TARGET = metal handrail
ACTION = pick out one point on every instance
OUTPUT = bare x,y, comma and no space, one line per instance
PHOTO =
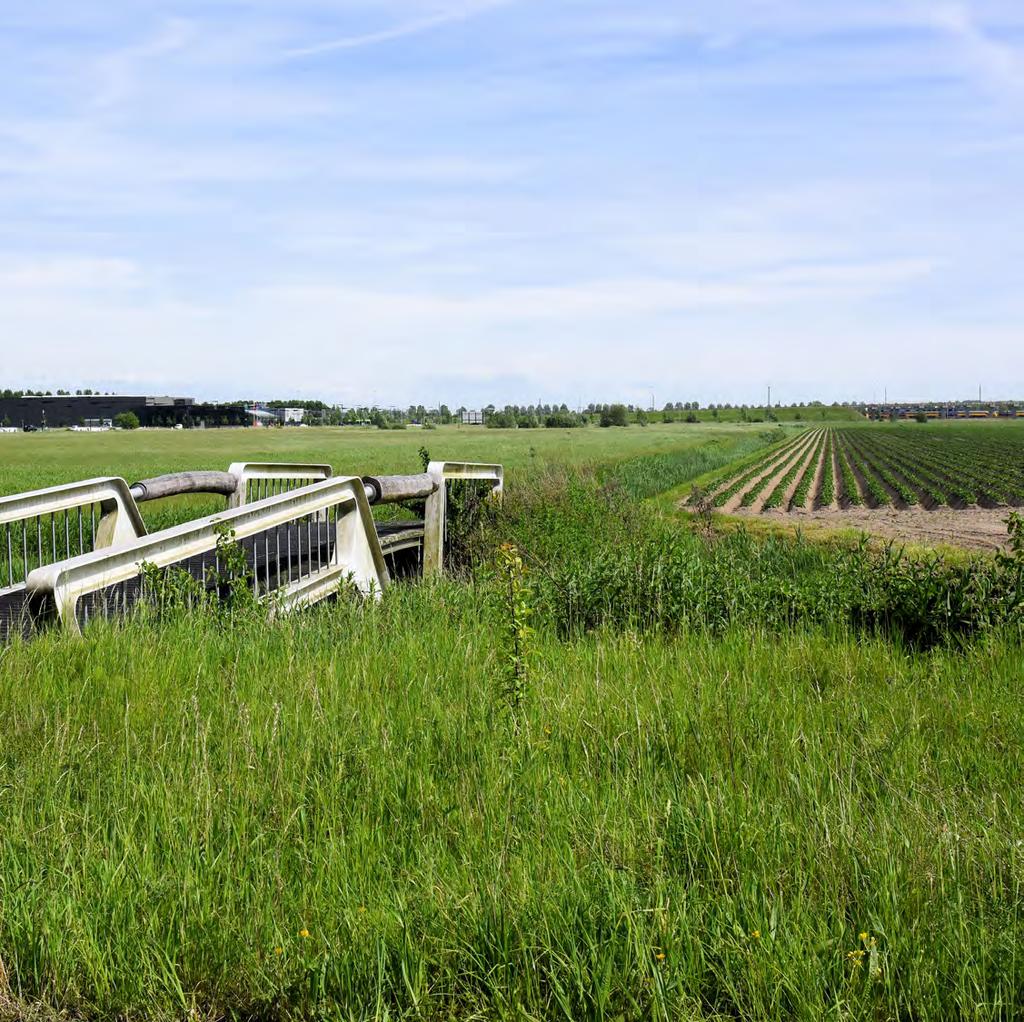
444,472
119,522
270,478
356,552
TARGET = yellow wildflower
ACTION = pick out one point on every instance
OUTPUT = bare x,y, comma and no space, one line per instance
303,932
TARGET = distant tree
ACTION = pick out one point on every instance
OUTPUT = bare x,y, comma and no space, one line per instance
641,418
614,415
563,420
126,420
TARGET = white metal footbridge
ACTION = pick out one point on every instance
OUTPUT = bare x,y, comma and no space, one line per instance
77,551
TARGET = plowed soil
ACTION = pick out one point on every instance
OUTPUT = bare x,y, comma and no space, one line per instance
973,528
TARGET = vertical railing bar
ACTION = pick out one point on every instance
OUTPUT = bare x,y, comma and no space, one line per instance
67,534
81,540
24,546
10,557
53,536
92,525
255,569
319,543
277,541
309,546
288,536
266,563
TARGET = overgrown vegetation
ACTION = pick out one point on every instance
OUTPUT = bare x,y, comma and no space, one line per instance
602,560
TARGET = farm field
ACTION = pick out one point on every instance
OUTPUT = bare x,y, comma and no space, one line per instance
717,776
940,482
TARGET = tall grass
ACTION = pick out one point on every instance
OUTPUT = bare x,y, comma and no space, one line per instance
683,828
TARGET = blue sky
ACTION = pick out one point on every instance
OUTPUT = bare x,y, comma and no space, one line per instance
471,201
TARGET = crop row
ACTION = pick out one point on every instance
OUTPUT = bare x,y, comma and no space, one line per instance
731,485
774,485
878,466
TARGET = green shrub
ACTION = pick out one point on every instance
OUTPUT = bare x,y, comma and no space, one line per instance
614,415
126,420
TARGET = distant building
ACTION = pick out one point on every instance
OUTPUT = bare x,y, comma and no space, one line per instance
472,418
64,410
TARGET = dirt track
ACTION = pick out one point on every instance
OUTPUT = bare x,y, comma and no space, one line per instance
972,527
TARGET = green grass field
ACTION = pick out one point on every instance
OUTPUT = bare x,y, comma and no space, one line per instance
29,460
728,778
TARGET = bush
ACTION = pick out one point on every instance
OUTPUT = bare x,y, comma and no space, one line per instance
501,420
563,420
126,420
614,415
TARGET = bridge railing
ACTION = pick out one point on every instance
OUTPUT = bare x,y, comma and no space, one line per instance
436,512
259,480
299,546
53,524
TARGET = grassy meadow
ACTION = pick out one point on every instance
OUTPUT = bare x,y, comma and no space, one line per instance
654,773
30,460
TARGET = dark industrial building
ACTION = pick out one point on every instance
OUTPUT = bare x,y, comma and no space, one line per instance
83,410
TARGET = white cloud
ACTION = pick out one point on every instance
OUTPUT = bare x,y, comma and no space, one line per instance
55,275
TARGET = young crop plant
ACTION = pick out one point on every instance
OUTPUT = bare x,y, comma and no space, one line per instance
850,490
879,466
827,490
877,493
914,474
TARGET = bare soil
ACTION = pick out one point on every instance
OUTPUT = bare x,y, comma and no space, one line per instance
973,528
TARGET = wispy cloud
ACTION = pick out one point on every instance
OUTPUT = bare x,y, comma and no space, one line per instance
998,62
400,31
118,71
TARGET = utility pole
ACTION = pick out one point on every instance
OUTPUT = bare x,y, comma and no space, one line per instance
769,397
